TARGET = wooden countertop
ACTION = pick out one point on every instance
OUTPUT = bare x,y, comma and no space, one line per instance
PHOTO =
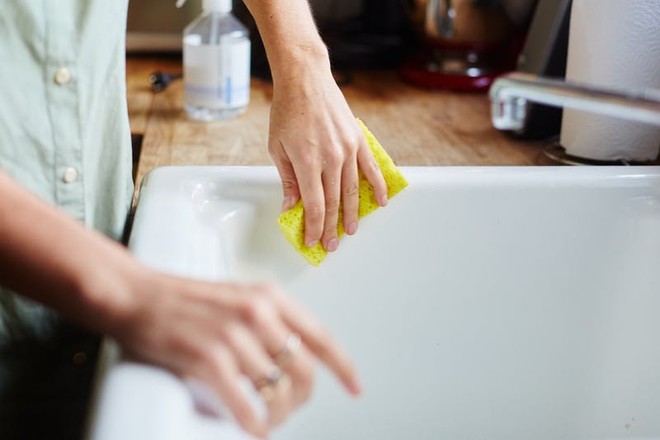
417,127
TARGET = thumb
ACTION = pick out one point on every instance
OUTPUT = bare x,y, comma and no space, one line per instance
290,189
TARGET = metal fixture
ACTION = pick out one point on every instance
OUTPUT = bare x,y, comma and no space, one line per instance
510,95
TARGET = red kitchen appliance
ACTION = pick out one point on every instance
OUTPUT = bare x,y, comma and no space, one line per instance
466,43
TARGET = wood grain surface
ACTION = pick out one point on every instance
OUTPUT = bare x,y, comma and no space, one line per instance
416,126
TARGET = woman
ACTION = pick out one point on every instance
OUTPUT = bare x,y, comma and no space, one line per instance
65,189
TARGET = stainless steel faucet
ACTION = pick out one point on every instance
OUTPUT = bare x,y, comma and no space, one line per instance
510,94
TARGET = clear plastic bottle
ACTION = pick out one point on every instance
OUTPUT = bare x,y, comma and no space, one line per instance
216,63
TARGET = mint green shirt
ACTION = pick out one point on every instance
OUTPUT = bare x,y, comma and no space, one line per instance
64,131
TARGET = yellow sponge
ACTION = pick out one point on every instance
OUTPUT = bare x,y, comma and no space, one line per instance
292,222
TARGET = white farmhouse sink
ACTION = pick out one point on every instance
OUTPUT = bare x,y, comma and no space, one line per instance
482,303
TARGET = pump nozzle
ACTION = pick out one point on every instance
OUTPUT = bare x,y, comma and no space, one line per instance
217,5
211,5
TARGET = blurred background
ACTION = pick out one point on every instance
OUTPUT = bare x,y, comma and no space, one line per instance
456,45
360,33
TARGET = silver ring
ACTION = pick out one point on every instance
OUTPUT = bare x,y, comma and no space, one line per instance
266,386
291,346
272,377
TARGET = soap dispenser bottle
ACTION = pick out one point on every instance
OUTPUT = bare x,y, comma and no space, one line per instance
216,63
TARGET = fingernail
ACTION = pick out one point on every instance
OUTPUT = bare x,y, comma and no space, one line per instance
356,387
332,245
311,243
259,430
205,399
352,228
383,200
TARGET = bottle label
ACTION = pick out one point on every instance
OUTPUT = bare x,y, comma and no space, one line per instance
217,76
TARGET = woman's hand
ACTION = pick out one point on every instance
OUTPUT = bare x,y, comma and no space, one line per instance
218,333
318,148
212,332
314,139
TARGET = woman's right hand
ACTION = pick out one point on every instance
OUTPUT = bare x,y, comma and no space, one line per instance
219,332
216,333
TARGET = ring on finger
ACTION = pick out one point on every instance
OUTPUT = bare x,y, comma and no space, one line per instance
291,346
272,377
267,392
267,385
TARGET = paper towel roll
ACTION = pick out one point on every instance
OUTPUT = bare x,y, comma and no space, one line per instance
613,43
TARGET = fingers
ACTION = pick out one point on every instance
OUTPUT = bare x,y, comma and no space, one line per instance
302,178
312,192
274,329
372,173
262,347
332,191
258,365
326,177
319,342
265,318
350,186
295,361
226,332
290,190
341,186
223,374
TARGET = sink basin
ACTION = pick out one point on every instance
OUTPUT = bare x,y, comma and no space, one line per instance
499,303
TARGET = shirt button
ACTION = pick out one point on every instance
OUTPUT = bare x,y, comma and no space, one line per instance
70,175
62,76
